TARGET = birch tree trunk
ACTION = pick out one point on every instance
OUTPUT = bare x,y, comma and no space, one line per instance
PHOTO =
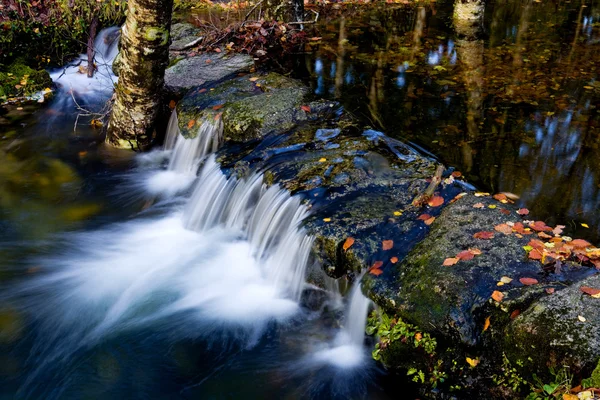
144,55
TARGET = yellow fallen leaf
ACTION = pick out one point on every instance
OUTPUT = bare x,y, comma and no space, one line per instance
418,336
588,87
397,213
472,362
326,219
322,159
585,225
569,396
253,79
581,318
500,283
498,296
481,194
505,279
492,206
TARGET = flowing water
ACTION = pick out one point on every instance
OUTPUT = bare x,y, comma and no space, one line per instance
158,276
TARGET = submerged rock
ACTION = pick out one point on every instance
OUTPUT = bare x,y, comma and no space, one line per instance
203,68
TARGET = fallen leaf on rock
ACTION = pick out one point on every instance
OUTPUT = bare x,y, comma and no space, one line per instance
458,196
528,281
472,362
253,79
481,194
424,217
191,123
465,255
450,261
326,219
429,221
581,318
217,50
515,314
201,90
535,254
394,260
376,271
540,226
595,293
580,243
506,279
492,206
387,244
550,290
218,107
498,296
503,228
544,235
436,201
457,174
486,324
475,251
484,235
397,213
305,108
523,211
500,196
348,243
478,205
504,211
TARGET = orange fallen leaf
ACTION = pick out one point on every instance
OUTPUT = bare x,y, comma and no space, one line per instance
436,201
503,228
218,107
387,244
375,271
429,221
172,104
253,79
544,235
523,211
202,91
465,255
191,124
450,261
486,325
457,174
504,211
208,61
376,265
528,281
515,314
540,226
478,205
535,254
217,50
305,108
348,243
500,196
498,296
394,260
484,235
580,243
475,251
591,291
424,217
418,336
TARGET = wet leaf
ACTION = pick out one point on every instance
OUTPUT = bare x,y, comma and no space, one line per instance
492,206
478,205
424,217
585,225
172,104
505,279
472,362
305,108
387,244
484,235
504,228
202,91
500,196
569,396
253,79
580,243
218,116
475,251
504,211
481,194
326,219
429,221
191,124
523,211
348,243
550,290
375,271
498,296
515,314
457,174
217,50
450,261
394,260
535,254
322,159
218,107
436,201
540,226
558,230
486,324
465,255
581,318
397,213
528,281
595,293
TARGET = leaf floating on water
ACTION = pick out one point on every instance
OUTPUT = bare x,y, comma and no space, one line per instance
387,244
305,108
472,362
523,211
558,230
436,201
377,264
505,280
485,235
394,260
595,293
478,205
528,281
448,262
486,325
498,296
191,124
348,243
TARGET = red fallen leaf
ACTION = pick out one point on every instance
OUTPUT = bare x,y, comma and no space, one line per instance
544,235
503,228
217,50
349,242
218,107
305,108
450,261
191,124
436,201
504,211
536,244
498,296
394,260
484,235
550,290
202,91
457,174
590,291
429,221
528,281
457,197
523,211
500,196
375,271
596,263
515,314
465,255
387,244
580,243
474,251
540,226
535,254
424,217
376,265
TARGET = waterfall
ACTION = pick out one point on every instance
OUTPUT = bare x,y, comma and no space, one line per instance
269,218
356,316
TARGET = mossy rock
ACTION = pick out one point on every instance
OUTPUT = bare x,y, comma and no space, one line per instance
20,80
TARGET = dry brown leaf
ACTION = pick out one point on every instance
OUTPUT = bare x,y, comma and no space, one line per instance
191,124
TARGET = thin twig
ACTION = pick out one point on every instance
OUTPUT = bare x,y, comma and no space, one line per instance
252,9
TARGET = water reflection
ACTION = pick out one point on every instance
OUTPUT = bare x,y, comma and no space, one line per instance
507,93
